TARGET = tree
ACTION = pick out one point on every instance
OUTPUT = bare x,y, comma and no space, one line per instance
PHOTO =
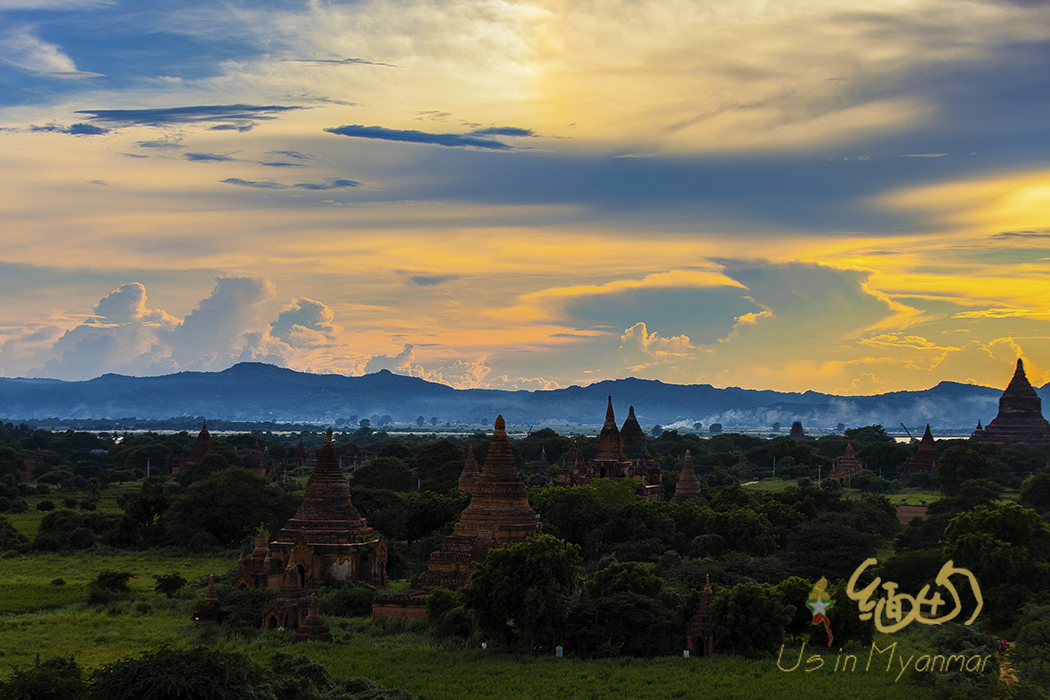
1035,492
630,577
11,462
960,464
173,674
421,421
365,423
384,473
1007,549
829,547
169,584
527,587
226,508
58,678
749,619
867,435
715,428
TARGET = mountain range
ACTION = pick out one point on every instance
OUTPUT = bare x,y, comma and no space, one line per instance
260,392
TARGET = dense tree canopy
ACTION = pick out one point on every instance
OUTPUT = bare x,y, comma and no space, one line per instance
526,588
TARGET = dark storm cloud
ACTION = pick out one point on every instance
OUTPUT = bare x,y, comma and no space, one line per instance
186,115
329,184
206,157
503,131
413,136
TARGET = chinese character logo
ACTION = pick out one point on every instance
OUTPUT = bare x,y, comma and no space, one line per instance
900,609
820,602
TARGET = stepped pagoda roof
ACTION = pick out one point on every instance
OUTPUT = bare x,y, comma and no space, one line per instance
498,514
688,488
925,459
470,474
633,443
1020,417
609,439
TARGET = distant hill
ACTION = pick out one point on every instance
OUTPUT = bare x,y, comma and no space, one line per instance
259,392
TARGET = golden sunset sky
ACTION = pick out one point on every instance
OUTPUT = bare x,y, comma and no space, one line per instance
850,197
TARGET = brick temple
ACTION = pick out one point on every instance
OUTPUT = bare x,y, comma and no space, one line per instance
687,490
327,541
498,514
924,461
847,465
622,454
1020,417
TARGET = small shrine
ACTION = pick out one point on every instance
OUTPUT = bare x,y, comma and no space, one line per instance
470,474
847,465
699,635
924,461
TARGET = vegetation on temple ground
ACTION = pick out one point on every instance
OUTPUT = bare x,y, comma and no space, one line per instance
763,543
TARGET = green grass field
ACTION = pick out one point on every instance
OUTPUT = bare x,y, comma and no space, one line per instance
38,617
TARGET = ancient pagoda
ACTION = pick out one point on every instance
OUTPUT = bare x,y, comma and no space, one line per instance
609,463
498,514
699,634
202,447
924,461
1020,417
847,465
468,478
327,541
622,453
688,488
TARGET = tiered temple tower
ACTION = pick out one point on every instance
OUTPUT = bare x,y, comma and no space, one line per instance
326,542
1020,417
688,488
925,459
468,478
498,514
197,452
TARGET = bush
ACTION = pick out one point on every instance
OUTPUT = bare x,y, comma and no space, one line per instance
108,586
169,584
58,678
45,506
167,673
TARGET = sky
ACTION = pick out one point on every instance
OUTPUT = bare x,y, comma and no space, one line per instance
846,196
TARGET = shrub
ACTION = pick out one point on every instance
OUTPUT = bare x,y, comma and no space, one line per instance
45,506
58,678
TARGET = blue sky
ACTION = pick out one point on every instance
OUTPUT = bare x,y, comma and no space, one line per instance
840,196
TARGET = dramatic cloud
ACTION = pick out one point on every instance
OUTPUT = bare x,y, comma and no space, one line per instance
411,136
214,330
305,323
398,362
